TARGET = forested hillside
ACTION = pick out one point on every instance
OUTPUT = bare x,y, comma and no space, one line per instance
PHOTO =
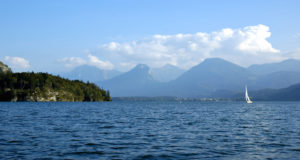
46,87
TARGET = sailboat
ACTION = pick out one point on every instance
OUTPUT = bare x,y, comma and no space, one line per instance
248,100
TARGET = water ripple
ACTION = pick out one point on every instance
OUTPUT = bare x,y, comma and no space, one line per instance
150,130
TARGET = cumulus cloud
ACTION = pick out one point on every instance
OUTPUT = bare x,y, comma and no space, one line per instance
254,39
72,62
243,46
94,61
17,63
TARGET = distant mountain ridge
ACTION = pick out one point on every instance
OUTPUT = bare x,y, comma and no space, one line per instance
90,73
137,81
94,74
166,73
208,77
286,65
276,80
291,93
213,78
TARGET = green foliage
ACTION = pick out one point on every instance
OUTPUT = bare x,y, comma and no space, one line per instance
46,87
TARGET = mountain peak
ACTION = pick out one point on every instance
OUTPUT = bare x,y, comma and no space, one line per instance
142,66
136,82
211,64
215,60
169,66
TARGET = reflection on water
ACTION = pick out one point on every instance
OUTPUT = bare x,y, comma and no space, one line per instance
150,130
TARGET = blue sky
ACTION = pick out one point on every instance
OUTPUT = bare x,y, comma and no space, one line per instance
56,36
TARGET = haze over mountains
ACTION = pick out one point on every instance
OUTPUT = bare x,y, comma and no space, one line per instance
136,82
93,74
286,65
166,73
291,93
208,77
213,77
90,73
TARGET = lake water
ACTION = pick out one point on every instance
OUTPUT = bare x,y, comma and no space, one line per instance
150,130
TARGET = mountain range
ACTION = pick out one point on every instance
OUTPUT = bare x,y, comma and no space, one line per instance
90,73
166,73
213,77
286,65
291,93
93,74
136,82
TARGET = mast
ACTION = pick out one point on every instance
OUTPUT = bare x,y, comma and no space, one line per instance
246,93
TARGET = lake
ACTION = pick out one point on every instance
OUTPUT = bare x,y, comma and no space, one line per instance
150,130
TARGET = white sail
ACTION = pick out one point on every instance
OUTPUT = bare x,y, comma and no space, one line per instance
248,100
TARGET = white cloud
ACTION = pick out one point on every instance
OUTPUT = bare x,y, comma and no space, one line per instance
17,63
243,46
254,39
94,61
72,62
125,65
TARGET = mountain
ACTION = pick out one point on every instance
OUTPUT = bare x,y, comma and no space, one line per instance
4,68
216,77
276,80
213,78
90,73
166,73
136,82
276,75
291,93
286,65
210,76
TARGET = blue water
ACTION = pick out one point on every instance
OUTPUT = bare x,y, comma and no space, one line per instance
150,130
